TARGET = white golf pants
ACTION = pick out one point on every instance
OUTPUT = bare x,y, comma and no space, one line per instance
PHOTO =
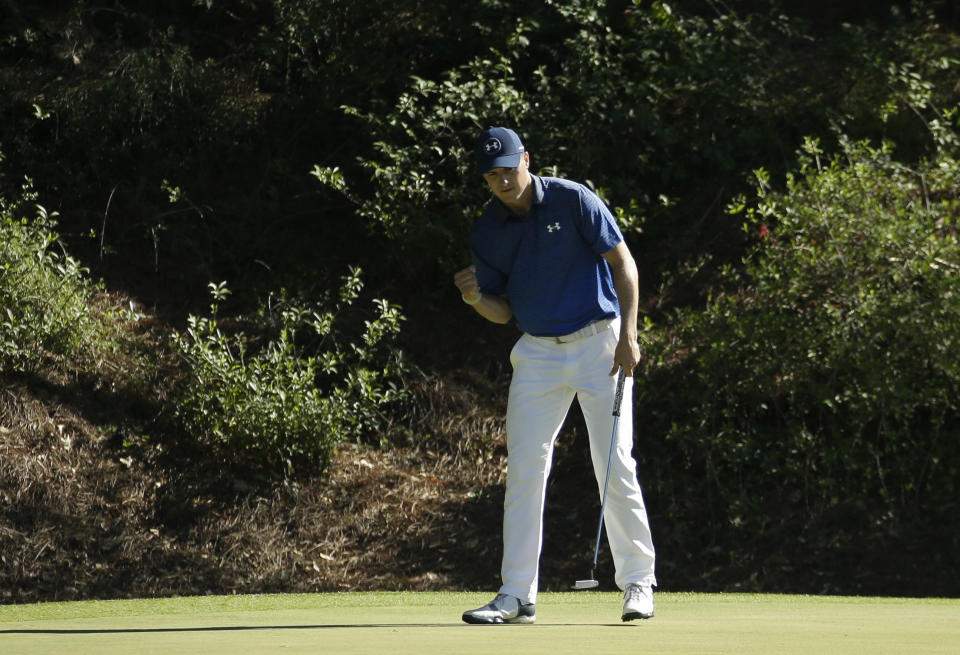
547,375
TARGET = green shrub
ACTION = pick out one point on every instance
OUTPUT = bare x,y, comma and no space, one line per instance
417,200
660,107
281,403
44,292
822,379
659,110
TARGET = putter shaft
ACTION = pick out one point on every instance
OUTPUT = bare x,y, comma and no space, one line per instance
617,400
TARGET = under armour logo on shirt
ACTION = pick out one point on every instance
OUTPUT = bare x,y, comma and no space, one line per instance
555,226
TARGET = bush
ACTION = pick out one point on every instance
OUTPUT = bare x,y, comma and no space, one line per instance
660,107
282,405
659,110
822,380
418,202
44,293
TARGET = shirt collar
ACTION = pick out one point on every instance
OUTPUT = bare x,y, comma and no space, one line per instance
504,213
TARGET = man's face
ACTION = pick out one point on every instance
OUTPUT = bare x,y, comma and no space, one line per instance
510,184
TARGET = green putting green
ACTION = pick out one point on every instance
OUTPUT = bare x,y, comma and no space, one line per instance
405,622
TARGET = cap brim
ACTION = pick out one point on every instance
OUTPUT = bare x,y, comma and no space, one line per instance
504,161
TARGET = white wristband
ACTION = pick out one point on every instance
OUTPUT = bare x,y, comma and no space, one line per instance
474,301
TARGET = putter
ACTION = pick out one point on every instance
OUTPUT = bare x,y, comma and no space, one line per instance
592,583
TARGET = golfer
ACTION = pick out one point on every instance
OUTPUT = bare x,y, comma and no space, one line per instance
548,254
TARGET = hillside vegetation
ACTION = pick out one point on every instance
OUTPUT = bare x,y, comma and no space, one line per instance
233,359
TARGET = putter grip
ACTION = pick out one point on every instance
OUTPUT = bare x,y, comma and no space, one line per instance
618,398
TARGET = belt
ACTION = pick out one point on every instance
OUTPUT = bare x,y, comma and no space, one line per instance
596,327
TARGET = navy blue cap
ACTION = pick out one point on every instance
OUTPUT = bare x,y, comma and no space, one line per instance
498,147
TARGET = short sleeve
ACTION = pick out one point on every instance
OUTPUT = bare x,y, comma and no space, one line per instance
597,225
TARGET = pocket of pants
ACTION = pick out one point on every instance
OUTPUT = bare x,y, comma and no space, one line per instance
612,336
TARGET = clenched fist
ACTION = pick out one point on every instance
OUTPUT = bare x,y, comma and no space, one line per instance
466,281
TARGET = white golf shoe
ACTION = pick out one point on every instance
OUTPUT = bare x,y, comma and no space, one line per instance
637,602
502,609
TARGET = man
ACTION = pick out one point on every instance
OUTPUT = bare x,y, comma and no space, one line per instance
547,253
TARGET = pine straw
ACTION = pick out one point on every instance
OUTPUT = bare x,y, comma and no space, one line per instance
85,515
90,508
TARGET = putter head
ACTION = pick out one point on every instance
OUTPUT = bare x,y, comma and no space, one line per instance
586,584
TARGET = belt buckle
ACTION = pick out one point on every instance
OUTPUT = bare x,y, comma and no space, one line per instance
565,338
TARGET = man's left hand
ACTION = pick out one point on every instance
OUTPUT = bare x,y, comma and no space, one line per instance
626,356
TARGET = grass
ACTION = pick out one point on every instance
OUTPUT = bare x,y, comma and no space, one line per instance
406,622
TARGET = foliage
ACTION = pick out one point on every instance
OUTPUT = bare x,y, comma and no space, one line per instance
418,201
176,142
661,106
823,376
899,85
657,106
282,406
231,102
44,292
658,109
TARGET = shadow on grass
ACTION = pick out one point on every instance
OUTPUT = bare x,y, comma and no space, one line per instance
332,626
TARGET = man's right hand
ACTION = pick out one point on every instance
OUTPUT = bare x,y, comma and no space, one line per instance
466,281
492,307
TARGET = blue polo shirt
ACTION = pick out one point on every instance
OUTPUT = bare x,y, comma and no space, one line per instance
548,263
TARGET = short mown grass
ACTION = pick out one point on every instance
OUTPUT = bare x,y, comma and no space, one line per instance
407,622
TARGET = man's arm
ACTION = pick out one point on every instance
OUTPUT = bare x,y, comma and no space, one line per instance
493,308
626,281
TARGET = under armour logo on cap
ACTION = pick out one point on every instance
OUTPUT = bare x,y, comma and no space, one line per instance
492,146
498,147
